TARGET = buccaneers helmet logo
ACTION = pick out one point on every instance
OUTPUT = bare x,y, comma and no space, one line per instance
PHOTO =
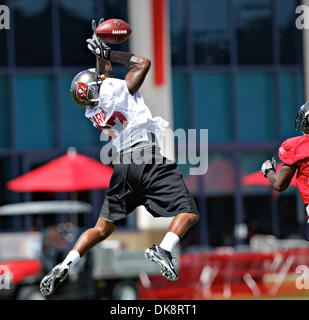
82,91
117,23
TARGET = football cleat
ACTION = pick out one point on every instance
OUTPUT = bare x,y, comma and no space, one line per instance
53,279
162,258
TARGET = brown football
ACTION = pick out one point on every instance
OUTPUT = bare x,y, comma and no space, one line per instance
113,31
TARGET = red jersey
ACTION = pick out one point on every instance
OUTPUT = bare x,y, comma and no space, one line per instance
296,151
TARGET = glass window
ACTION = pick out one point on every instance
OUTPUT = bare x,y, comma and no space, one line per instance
220,209
117,9
291,98
252,161
7,196
259,216
256,106
257,210
212,105
178,32
290,36
219,178
77,13
180,101
4,119
181,114
34,112
5,175
3,47
257,201
114,9
254,31
289,225
33,32
80,13
78,131
209,27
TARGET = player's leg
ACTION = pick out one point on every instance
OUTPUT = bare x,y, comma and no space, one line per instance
167,196
92,236
183,222
162,254
178,227
112,210
85,242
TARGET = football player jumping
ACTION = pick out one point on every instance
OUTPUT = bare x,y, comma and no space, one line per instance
117,108
294,153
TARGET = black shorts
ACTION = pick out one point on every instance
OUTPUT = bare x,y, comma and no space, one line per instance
145,177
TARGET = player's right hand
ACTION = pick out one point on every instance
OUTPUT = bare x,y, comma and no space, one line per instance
268,165
96,45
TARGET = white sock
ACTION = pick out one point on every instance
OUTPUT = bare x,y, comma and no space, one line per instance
169,241
72,258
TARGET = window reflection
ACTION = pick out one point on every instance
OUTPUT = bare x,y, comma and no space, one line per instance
212,105
254,31
76,14
221,209
79,13
77,122
219,178
209,27
3,47
180,101
33,32
35,114
117,9
291,98
178,33
256,106
4,119
290,36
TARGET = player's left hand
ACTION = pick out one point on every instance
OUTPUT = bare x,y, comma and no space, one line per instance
268,165
96,45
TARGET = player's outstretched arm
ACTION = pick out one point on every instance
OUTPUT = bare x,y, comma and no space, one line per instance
281,180
139,67
104,66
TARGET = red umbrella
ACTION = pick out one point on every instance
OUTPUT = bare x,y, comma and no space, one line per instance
68,173
257,178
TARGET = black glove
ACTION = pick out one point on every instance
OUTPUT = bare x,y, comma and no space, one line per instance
96,45
268,165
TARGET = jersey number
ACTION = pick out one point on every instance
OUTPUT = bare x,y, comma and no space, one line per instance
112,121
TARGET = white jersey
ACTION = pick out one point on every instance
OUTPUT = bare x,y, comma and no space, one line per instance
123,117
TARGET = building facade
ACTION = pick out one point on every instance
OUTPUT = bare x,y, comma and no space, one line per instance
235,69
